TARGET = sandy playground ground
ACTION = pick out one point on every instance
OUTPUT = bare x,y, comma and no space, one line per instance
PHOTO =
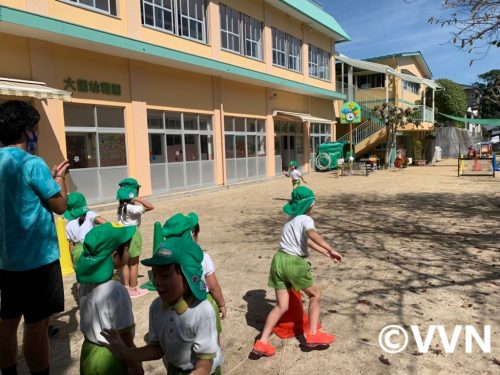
421,247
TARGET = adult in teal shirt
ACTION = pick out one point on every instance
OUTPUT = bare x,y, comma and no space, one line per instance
30,274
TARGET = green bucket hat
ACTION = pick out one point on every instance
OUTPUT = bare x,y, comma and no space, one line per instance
186,253
302,200
180,224
129,182
293,163
77,206
126,193
95,265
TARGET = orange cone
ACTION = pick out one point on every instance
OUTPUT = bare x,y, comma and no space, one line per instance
295,322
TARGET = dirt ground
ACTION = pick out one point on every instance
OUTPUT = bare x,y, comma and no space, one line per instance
421,247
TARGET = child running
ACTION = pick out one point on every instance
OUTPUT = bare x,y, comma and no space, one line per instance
130,210
295,175
181,225
290,269
181,321
104,301
80,222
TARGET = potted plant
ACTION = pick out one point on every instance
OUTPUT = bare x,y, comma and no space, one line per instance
417,153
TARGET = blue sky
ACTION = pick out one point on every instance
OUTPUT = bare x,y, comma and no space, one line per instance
383,27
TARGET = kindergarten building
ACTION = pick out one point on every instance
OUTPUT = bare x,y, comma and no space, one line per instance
181,94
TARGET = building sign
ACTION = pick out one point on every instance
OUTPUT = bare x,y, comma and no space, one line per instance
350,113
96,87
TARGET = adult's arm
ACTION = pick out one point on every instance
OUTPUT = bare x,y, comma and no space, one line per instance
58,202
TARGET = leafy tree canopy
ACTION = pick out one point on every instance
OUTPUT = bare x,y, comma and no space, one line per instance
490,86
452,100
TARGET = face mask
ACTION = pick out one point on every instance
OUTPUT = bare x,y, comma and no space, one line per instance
31,141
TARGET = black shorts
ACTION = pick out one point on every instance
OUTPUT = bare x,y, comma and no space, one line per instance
36,293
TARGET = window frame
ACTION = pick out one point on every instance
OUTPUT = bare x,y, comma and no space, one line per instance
249,30
286,47
78,3
320,60
177,17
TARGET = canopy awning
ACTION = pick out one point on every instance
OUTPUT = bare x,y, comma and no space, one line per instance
381,68
32,89
304,117
493,122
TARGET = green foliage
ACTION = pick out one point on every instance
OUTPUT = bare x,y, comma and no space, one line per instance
490,86
452,100
417,150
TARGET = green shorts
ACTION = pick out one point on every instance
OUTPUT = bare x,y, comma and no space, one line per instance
96,359
217,314
76,252
290,271
296,183
135,248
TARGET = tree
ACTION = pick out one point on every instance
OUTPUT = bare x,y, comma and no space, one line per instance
452,100
476,24
394,118
489,84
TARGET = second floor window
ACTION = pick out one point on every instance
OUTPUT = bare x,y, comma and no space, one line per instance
411,86
319,63
240,33
105,6
371,81
181,17
287,51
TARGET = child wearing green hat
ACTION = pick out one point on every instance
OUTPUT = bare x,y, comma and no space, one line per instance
130,210
294,174
181,321
104,301
80,221
188,225
290,269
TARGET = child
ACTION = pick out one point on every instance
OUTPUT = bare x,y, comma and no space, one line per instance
180,225
181,321
295,175
130,210
104,301
80,222
289,269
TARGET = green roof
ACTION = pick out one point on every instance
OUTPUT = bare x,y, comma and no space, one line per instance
417,54
318,15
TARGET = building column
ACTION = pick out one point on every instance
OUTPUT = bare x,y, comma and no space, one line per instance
214,35
218,126
306,145
270,157
136,130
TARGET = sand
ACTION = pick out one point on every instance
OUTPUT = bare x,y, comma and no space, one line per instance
421,247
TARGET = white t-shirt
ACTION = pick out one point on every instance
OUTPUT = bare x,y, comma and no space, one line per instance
76,232
131,214
295,174
106,305
183,336
294,236
208,267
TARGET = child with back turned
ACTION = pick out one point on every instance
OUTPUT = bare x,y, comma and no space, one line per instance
290,269
104,301
130,210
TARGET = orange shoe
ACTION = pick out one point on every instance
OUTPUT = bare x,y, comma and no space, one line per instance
320,338
264,348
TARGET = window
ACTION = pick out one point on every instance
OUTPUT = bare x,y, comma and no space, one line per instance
185,18
95,136
411,86
371,81
320,133
287,50
105,6
179,137
319,63
240,33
